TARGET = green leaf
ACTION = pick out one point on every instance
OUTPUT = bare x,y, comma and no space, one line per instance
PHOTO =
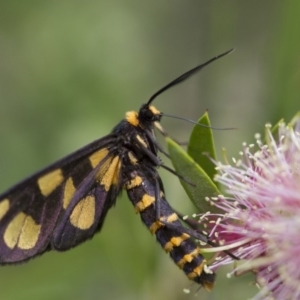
202,186
201,146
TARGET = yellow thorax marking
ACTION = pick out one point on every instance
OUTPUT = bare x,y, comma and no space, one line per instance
132,118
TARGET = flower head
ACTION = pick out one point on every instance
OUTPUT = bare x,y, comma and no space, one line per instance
260,222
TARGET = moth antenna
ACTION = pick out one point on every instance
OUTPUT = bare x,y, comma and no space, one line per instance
186,75
196,123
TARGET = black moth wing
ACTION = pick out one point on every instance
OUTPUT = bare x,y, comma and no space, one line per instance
34,212
94,196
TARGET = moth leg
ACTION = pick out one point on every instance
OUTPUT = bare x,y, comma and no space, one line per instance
159,163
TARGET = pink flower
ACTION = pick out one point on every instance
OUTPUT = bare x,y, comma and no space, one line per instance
260,222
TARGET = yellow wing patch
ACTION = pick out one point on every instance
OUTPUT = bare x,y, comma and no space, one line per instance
116,178
49,182
111,176
96,157
83,215
68,192
22,232
4,207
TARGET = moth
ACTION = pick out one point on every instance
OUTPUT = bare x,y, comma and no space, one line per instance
66,203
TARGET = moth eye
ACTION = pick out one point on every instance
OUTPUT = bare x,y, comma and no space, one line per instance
149,114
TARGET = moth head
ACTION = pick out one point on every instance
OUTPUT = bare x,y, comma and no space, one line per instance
149,114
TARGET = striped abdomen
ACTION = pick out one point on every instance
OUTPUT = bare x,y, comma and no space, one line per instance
181,247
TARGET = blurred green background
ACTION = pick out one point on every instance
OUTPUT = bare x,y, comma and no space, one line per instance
68,72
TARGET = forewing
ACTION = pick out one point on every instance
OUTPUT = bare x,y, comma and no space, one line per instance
86,212
29,212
